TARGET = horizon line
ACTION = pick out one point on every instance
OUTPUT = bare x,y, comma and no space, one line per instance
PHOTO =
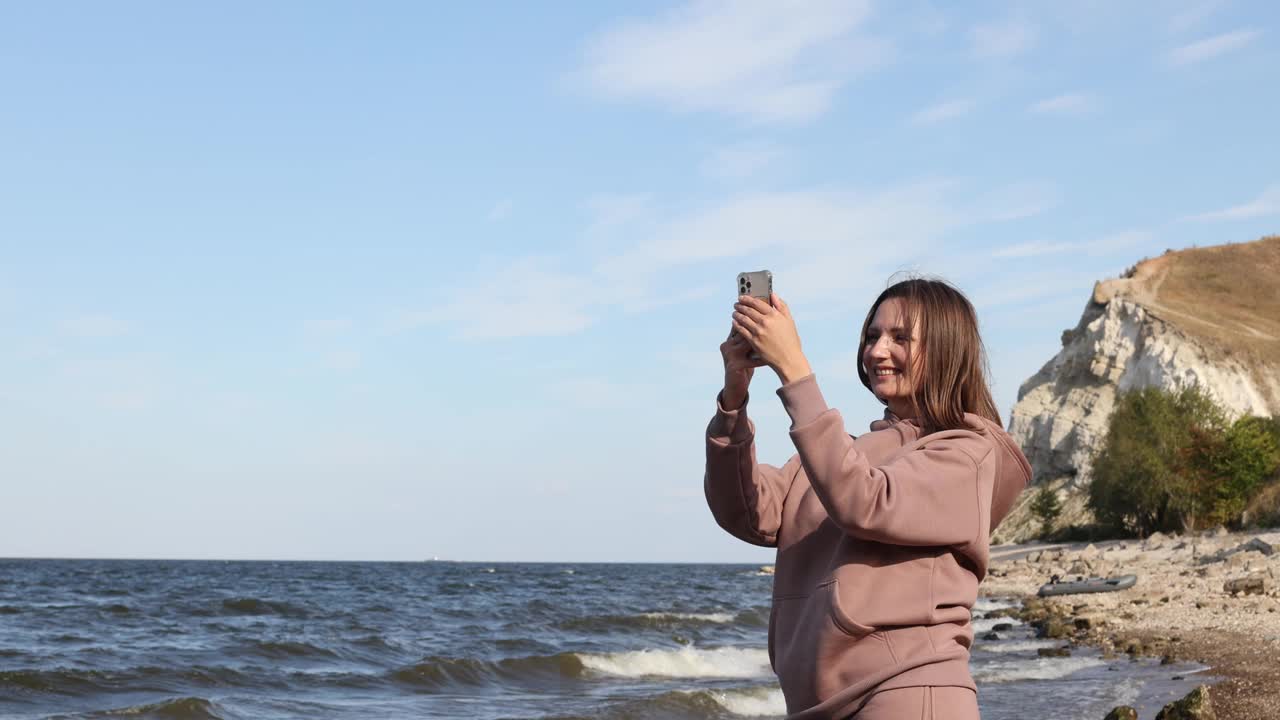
424,561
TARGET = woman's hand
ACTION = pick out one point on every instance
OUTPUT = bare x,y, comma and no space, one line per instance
771,331
738,369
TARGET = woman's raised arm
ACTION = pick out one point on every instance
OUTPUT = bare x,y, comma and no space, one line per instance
745,497
936,494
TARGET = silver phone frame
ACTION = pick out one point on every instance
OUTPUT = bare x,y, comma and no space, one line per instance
756,279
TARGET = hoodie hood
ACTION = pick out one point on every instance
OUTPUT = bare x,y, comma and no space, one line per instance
1013,472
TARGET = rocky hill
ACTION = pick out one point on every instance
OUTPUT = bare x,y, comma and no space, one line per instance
1205,316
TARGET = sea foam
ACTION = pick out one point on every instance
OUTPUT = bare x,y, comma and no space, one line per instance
702,617
1032,669
985,604
686,662
753,703
983,625
1017,646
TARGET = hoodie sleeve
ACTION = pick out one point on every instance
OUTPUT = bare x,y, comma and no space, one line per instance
744,496
937,494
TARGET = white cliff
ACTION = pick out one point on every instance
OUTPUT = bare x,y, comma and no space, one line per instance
1168,323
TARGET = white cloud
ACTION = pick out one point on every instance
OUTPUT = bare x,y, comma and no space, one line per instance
787,222
1211,47
527,297
1267,203
765,60
1106,244
94,325
742,161
658,300
1003,38
1066,104
944,111
1025,287
823,241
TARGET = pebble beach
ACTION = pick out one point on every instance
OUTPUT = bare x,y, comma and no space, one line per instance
1209,597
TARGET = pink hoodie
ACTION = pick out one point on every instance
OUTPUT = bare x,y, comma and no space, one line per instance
882,541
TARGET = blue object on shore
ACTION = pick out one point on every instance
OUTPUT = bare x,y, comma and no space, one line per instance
1089,585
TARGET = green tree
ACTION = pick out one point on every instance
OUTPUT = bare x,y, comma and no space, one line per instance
1244,461
1045,506
1151,472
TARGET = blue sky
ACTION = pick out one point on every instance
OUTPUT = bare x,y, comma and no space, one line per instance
339,281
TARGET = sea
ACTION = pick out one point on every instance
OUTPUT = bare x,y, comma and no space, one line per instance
231,640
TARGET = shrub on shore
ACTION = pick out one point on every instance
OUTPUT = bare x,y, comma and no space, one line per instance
1173,461
1046,507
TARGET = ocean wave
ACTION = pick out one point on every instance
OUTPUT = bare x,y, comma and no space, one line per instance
1032,669
721,617
288,649
692,705
71,638
69,681
455,588
644,620
660,620
62,681
443,672
184,708
754,702
9,610
1017,646
686,662
254,606
376,642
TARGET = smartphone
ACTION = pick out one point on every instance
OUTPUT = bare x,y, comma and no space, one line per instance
758,284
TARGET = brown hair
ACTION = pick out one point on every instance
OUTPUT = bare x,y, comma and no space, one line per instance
953,380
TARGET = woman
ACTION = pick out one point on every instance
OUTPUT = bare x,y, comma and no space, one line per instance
882,538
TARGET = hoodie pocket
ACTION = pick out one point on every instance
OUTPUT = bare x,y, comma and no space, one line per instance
817,650
839,616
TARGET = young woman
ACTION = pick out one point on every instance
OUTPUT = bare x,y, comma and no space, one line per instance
882,538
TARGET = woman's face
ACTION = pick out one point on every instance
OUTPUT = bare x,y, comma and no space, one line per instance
885,356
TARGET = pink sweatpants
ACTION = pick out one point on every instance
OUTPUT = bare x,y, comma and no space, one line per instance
926,703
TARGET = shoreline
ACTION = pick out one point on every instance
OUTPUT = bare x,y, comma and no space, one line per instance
1179,610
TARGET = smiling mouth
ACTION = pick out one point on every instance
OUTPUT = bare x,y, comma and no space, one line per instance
886,372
